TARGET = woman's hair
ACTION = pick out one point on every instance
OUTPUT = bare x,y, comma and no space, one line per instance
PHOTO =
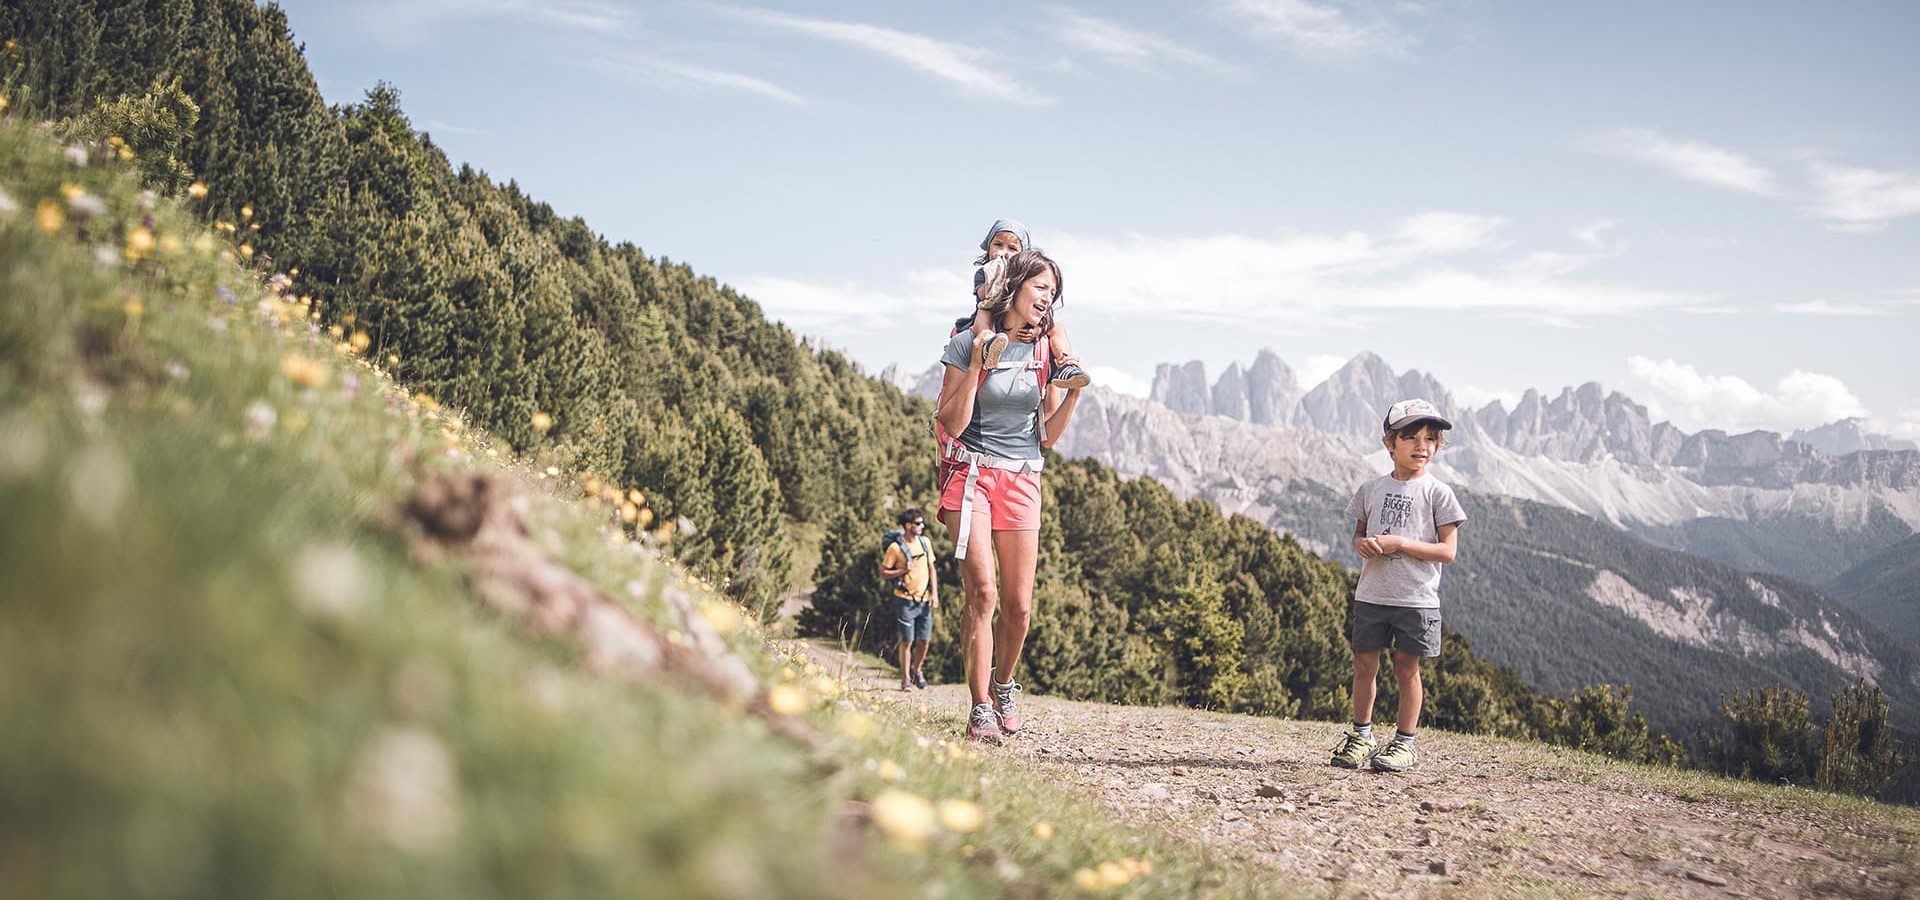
1019,268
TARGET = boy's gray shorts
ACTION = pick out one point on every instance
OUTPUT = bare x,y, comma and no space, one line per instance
1410,629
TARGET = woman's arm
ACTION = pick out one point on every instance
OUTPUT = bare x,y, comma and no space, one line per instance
1061,414
957,390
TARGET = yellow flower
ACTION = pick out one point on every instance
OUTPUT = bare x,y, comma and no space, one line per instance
295,273
197,190
303,371
3,97
203,243
787,700
140,242
170,244
542,422
825,687
907,819
858,725
1086,880
359,342
126,153
891,771
116,140
246,212
629,513
336,331
1112,874
134,309
646,517
1043,830
49,216
246,251
724,617
961,816
71,192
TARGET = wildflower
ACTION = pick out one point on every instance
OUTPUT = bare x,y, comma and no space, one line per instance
541,421
629,513
646,517
171,245
203,243
125,153
77,154
787,700
303,371
133,308
246,251
405,791
1087,880
140,243
222,225
246,212
553,471
906,819
176,370
724,617
891,771
961,816
7,205
858,726
636,498
825,687
1112,874
49,217
260,420
359,342
3,97
197,190
85,206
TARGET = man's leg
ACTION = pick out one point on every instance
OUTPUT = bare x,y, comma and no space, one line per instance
906,672
920,656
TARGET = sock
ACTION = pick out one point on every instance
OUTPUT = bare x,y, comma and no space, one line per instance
1365,731
1404,737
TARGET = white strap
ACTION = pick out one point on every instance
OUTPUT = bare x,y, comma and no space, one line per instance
974,462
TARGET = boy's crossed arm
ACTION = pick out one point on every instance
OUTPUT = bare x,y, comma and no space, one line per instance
1441,551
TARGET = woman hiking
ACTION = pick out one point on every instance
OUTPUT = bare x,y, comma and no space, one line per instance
990,479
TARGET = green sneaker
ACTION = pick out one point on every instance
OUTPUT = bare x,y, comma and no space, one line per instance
1396,756
1353,751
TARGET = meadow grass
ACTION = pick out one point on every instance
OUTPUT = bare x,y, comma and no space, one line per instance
227,670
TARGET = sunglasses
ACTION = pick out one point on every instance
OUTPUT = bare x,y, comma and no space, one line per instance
920,522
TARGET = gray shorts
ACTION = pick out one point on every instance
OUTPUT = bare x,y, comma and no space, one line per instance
913,619
1410,629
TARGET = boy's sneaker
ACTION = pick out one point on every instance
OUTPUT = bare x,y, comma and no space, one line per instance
1396,756
920,680
983,724
1071,376
996,345
1003,703
1353,751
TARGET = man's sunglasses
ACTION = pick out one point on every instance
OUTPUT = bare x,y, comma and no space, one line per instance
921,522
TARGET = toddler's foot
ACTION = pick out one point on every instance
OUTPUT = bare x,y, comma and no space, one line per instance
1071,376
990,354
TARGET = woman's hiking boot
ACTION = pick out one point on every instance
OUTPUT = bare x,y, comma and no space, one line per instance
996,345
1396,756
1071,376
1353,751
1003,704
983,724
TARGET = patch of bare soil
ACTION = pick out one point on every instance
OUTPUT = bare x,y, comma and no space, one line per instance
1479,817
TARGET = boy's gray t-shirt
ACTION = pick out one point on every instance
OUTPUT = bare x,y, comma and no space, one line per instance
1003,410
1410,509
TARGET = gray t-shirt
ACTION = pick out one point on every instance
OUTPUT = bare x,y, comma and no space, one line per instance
1410,509
1003,422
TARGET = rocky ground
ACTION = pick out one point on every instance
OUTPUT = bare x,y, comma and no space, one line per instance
1480,817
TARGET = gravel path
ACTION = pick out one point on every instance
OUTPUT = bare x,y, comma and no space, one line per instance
1480,817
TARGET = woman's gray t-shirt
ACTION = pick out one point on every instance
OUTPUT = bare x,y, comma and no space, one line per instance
1411,509
1003,409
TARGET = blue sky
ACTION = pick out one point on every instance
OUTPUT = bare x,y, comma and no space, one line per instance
1714,207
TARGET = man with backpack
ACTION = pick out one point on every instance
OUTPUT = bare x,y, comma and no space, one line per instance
908,567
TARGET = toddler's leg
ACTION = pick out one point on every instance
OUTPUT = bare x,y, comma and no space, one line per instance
1066,371
982,322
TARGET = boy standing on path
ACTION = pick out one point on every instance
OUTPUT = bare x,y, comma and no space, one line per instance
1406,525
908,565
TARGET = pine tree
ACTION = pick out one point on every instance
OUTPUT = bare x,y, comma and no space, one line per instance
1857,751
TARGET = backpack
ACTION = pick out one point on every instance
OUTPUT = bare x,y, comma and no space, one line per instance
1041,351
897,537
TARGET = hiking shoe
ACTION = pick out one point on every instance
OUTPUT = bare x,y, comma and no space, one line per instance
1071,376
920,680
1353,751
1396,756
1003,701
996,345
983,724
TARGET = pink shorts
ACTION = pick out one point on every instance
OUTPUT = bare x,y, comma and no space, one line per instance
1011,499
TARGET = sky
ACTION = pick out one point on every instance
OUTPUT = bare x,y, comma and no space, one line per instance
1713,207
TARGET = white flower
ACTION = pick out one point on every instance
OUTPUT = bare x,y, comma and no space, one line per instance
404,791
260,420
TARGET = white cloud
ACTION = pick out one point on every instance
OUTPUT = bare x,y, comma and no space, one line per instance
1318,368
1473,397
1119,381
1692,400
846,309
961,65
1862,200
1593,234
1826,308
1693,160
1319,29
1907,426
435,126
1129,46
392,19
659,70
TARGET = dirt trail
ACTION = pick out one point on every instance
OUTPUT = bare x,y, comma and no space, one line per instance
1480,817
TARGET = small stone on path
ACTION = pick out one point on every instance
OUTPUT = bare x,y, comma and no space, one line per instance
1439,867
1706,878
1268,790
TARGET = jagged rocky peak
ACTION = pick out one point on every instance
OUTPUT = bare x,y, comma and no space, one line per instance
1182,388
1230,395
1846,436
1273,394
1352,400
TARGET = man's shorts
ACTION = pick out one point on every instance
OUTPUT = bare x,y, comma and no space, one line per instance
1409,629
1010,498
914,619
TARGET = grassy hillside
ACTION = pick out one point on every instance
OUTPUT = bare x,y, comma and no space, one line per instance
238,659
